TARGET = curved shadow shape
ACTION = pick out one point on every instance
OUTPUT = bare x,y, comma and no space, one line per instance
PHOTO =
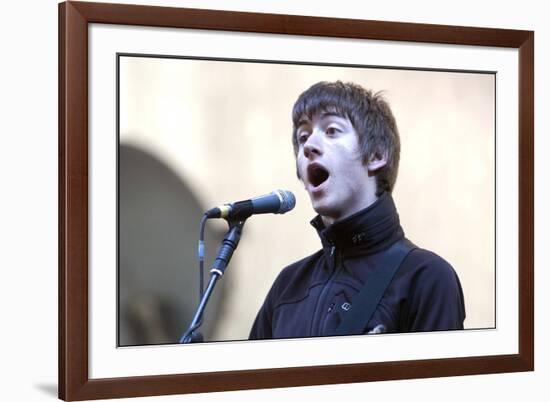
158,220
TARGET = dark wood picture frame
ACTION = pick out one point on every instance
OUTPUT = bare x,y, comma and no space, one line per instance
74,381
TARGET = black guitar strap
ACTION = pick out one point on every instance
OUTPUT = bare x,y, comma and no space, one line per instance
365,302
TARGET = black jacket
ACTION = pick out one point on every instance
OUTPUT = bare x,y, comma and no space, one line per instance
310,297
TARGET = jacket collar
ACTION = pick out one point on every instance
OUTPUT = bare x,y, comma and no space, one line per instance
371,229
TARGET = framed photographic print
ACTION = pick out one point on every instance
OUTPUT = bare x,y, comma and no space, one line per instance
165,113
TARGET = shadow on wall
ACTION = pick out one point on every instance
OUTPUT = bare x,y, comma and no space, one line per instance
158,269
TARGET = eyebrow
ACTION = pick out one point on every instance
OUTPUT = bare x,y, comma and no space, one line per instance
331,114
322,115
303,122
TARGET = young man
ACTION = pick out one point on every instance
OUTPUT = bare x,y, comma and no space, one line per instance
347,155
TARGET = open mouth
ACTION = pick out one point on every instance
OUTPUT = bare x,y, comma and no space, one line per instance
317,174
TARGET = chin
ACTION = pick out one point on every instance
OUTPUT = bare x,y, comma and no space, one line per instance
323,209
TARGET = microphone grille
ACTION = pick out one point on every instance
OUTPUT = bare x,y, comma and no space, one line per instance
288,201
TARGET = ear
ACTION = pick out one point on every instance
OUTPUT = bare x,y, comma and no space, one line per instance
377,160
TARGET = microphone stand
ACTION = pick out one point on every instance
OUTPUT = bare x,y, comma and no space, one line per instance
228,246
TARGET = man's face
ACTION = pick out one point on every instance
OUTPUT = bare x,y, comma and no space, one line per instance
330,166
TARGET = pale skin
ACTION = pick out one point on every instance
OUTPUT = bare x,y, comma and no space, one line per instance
331,168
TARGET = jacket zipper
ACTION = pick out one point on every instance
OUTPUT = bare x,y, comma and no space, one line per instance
317,317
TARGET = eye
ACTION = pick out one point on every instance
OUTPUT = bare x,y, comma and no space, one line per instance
302,137
331,130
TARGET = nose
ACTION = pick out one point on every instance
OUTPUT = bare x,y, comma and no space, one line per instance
313,146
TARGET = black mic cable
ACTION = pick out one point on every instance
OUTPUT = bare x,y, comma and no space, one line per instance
201,256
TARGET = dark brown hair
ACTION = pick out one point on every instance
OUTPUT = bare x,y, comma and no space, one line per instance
370,116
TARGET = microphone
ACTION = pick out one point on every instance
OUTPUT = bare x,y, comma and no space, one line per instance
276,202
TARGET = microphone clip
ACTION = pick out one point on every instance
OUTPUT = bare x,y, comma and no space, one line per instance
228,246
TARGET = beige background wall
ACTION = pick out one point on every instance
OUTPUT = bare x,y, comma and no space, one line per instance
224,128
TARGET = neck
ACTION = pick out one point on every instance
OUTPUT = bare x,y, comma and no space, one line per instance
369,198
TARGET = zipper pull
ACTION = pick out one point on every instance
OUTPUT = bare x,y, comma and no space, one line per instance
332,250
